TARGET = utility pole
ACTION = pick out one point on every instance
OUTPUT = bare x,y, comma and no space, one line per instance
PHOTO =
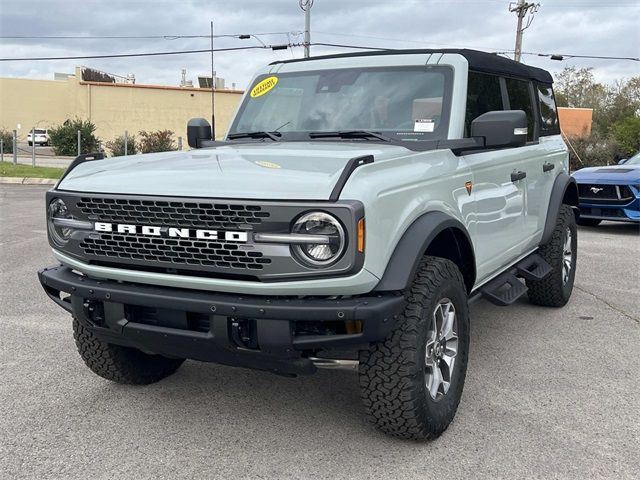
522,8
213,87
306,5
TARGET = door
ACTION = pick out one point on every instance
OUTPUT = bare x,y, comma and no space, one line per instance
499,221
498,226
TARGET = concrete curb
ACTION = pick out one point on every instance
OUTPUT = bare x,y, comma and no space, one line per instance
28,181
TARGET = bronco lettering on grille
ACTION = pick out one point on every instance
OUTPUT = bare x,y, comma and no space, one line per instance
171,232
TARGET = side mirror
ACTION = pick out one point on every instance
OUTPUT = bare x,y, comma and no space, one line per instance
501,128
198,131
622,161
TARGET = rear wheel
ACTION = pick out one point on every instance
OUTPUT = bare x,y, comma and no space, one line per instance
121,364
412,382
589,222
560,252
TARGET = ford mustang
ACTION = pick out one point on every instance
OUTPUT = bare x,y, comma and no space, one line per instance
610,193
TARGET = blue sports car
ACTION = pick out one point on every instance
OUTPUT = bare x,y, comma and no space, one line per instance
610,193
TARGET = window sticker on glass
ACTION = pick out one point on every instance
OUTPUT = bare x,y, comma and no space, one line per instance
263,86
424,125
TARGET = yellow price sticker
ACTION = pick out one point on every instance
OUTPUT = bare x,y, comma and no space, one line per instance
263,86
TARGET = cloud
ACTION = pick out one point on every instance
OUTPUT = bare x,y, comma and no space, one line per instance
566,27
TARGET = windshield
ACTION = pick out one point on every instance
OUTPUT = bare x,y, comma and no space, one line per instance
406,103
635,160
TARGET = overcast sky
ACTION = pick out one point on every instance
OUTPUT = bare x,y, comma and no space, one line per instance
578,27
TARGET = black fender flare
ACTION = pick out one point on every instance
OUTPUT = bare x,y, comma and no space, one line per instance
565,190
413,244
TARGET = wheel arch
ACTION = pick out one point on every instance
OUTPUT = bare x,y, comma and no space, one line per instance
564,191
433,233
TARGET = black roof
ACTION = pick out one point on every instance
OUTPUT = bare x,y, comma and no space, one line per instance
478,61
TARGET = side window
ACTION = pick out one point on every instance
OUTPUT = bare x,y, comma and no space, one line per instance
483,95
520,99
548,114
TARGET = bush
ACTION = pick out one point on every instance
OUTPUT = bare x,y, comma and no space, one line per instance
7,138
593,151
158,141
627,134
64,138
116,146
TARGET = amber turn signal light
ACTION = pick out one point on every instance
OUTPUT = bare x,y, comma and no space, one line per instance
361,235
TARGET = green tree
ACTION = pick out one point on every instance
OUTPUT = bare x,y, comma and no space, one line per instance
116,146
577,88
158,141
64,138
627,134
7,139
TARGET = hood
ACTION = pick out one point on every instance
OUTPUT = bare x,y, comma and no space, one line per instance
287,170
621,174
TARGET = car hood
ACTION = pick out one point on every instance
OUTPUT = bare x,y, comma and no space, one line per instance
620,174
287,170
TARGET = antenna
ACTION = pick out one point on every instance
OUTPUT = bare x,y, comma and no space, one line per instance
213,88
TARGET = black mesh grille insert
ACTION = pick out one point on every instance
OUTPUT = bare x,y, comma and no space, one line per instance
172,213
172,251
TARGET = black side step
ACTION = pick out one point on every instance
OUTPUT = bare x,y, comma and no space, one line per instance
506,288
534,267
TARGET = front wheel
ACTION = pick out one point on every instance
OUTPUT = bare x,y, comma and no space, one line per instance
121,364
411,383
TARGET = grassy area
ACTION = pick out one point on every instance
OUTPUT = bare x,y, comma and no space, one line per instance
8,169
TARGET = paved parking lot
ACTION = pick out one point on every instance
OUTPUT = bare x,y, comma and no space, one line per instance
549,393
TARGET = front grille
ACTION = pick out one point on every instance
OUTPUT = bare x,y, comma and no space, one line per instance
173,252
605,194
171,213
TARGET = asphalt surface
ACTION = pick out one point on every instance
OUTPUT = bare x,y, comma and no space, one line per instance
550,393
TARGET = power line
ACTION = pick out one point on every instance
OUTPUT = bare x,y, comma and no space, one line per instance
134,37
152,54
505,52
290,45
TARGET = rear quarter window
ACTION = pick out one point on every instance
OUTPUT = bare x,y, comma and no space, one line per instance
549,124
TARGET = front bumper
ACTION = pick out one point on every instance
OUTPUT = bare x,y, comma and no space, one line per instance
616,213
275,333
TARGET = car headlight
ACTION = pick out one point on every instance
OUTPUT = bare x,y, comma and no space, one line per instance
331,239
58,232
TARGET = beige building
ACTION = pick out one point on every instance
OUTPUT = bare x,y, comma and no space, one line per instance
575,122
112,107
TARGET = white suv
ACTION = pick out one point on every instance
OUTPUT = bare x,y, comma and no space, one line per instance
42,137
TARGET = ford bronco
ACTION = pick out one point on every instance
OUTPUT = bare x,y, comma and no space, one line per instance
356,205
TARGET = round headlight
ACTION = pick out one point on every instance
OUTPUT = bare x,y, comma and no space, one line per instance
59,234
330,234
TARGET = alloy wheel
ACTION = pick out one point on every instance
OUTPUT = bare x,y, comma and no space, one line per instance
441,349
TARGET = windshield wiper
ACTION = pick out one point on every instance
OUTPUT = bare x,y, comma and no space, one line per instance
354,134
275,136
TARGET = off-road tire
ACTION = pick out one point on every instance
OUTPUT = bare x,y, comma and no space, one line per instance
551,291
393,372
589,222
121,364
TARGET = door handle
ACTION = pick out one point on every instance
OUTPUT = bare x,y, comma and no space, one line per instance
547,167
515,176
